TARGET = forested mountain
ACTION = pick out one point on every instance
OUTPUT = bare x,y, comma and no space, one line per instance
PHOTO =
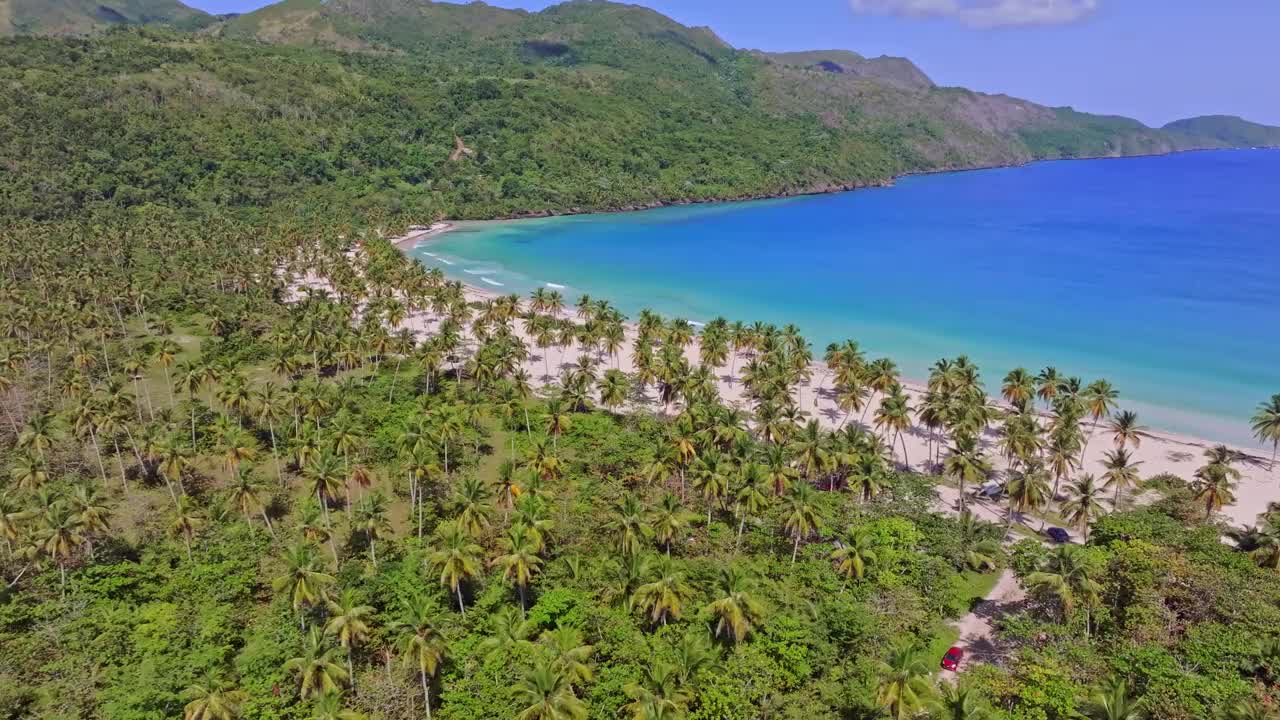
1227,129
349,105
81,17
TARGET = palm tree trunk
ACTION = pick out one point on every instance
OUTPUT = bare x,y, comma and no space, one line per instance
351,671
795,549
461,607
275,453
742,521
62,569
97,453
267,519
426,695
120,462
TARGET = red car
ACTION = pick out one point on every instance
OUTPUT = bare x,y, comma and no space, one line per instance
951,661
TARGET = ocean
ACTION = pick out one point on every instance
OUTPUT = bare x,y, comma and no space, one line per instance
1160,274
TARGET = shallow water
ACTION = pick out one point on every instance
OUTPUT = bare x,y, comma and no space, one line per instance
1160,274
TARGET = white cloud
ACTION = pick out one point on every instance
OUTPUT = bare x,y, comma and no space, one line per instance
983,13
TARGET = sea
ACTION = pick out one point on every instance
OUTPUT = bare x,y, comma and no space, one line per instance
1160,274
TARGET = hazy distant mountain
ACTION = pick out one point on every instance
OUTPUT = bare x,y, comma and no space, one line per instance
1227,129
81,17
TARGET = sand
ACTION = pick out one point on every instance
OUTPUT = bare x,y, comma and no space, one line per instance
1161,452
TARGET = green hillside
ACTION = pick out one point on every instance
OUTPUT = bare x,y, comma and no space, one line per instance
348,106
81,17
1227,129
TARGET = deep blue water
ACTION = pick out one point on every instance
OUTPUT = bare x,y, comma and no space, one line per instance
1160,274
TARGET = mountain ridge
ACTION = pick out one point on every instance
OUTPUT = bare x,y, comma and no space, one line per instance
583,106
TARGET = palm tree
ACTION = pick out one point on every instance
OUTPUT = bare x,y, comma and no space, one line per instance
420,644
669,520
329,707
213,699
657,696
1266,426
966,463
735,610
569,654
60,536
472,502
854,554
1126,431
1018,387
244,494
1026,490
1115,702
187,521
753,496
509,631
457,558
1121,474
629,525
803,517
303,581
370,519
1214,486
1066,575
614,389
1047,384
39,434
1082,506
520,563
349,623
544,693
957,702
1099,400
318,672
903,685
664,597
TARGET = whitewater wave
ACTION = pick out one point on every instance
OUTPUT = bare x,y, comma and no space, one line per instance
495,283
555,286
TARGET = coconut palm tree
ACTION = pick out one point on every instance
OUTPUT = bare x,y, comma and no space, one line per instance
1026,491
753,496
370,519
187,521
1099,401
657,695
1018,387
457,558
614,389
1121,474
669,520
568,653
958,702
213,699
349,623
1214,486
304,583
544,693
1115,701
903,685
735,610
520,562
854,554
1126,431
245,494
1083,504
1266,426
664,597
966,463
1067,576
803,516
59,536
329,707
317,668
421,646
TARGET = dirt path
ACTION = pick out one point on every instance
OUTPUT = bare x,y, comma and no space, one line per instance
977,629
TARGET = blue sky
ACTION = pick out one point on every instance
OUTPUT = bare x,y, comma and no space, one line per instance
1156,60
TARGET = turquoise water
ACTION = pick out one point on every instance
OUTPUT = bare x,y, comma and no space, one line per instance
1160,274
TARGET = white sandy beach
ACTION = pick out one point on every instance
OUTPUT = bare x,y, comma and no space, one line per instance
1161,452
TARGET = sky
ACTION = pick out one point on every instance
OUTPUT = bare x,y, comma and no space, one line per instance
1155,60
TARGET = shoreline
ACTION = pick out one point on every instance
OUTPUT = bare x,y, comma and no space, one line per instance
915,450
914,386
835,188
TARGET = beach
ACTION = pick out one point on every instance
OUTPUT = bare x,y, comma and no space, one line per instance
1160,452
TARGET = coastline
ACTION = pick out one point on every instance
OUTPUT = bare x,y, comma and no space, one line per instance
1162,451
835,188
